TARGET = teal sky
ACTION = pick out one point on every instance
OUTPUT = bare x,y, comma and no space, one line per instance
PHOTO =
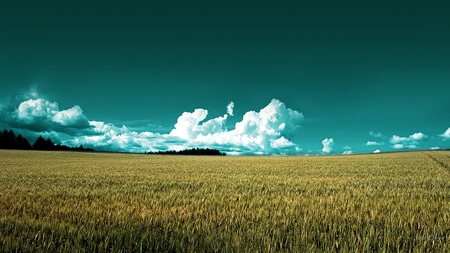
370,75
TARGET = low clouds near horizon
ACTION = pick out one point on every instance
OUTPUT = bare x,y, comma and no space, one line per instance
268,131
411,142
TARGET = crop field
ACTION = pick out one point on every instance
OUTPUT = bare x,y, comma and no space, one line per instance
104,202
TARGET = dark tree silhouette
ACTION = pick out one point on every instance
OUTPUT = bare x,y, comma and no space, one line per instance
193,151
40,143
9,140
49,145
22,143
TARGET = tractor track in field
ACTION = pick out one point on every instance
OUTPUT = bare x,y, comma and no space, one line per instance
445,166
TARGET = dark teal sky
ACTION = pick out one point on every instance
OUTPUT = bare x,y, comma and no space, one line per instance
350,67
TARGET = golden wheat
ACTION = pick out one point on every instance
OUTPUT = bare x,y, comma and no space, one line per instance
100,202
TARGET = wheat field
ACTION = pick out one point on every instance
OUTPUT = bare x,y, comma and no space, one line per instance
105,202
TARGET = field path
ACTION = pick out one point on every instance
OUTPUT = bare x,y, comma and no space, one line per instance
443,159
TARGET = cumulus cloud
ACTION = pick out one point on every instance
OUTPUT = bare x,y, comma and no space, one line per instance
230,108
43,115
71,117
188,127
411,142
347,150
374,143
328,144
400,146
377,151
418,136
267,131
264,132
446,135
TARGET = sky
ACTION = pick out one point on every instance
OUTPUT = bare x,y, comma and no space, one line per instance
244,77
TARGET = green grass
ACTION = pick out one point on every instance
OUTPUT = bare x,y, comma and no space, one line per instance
99,202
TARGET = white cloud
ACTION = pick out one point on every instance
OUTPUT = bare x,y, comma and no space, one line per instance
230,108
374,143
265,132
434,148
377,151
188,127
43,115
411,142
347,150
36,108
124,139
70,117
418,136
327,145
446,135
398,146
397,139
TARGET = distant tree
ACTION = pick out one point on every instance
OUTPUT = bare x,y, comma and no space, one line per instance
7,139
49,145
43,144
193,151
63,147
22,143
39,144
67,148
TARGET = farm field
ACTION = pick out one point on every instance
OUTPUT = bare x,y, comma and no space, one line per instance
105,202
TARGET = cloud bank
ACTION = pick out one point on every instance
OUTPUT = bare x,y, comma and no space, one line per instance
267,131
411,142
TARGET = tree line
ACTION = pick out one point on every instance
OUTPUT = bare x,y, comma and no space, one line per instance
193,151
9,140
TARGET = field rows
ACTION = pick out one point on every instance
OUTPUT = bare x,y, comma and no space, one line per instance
97,202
